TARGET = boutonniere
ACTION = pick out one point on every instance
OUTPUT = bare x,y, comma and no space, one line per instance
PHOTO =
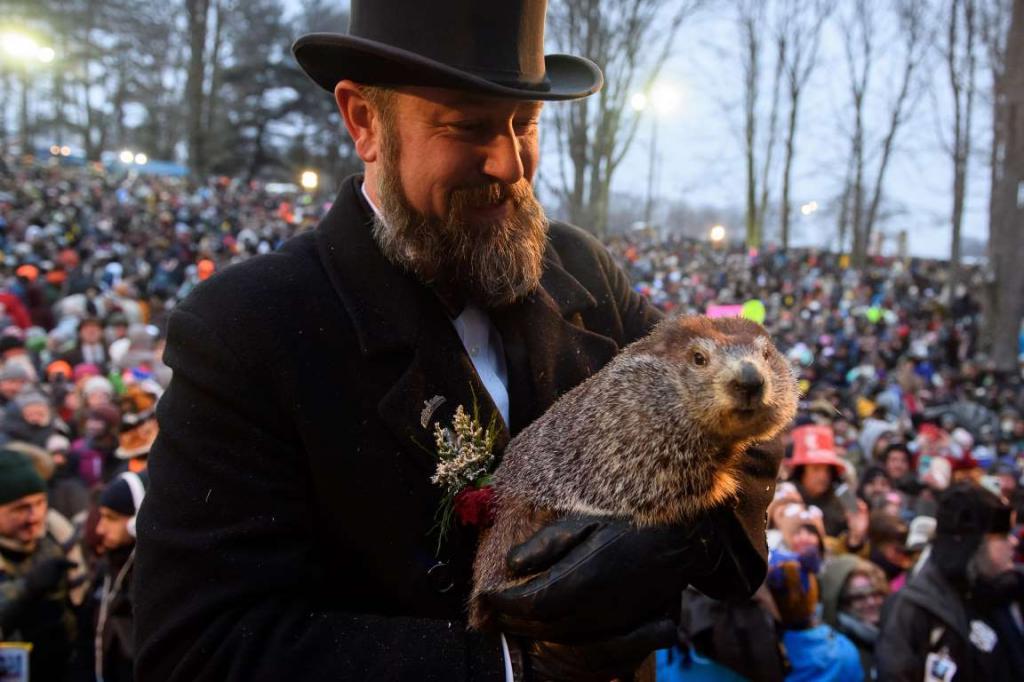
465,462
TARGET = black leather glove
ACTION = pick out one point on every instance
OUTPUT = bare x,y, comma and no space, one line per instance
599,578
46,575
597,661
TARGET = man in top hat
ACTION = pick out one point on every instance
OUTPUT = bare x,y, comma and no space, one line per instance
290,527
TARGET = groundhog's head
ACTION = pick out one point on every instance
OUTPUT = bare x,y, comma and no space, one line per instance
731,379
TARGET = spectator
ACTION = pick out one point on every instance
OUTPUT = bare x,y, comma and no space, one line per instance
954,621
852,593
35,601
115,532
815,650
816,471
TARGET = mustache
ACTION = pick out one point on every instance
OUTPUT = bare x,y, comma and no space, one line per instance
490,194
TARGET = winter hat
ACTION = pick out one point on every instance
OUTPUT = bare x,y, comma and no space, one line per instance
58,367
18,477
121,498
97,384
922,530
30,396
40,458
793,583
966,513
58,443
85,370
14,371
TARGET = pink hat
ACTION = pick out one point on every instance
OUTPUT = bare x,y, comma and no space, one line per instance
815,444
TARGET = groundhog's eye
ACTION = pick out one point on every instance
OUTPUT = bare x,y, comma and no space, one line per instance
699,359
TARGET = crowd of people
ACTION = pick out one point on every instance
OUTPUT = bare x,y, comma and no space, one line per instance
892,534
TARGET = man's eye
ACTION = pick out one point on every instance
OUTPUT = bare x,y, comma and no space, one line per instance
523,127
466,126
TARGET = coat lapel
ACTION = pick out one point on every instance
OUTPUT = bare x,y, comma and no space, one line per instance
394,315
547,350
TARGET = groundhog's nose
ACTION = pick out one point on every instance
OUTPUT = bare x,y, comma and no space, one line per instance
748,384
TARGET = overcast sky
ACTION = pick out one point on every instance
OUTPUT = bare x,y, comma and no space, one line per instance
701,153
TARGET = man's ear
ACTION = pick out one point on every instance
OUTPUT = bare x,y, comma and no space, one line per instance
360,120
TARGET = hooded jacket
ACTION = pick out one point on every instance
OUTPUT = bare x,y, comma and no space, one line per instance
833,578
930,618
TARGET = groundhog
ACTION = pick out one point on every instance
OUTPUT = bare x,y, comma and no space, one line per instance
656,437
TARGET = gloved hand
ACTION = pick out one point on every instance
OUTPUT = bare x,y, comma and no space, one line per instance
45,575
599,661
599,578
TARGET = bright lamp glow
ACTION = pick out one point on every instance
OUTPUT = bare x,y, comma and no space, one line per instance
65,151
141,159
666,98
310,179
809,208
55,150
126,156
717,233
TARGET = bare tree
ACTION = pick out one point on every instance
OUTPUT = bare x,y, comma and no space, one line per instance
961,68
860,27
197,12
1006,239
630,40
799,37
758,144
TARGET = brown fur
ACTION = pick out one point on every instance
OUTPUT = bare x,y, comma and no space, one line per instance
653,437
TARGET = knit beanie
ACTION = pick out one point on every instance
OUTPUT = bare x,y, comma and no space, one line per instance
117,496
30,396
18,477
793,582
97,384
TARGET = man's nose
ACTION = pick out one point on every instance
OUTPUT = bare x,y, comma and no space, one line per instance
503,162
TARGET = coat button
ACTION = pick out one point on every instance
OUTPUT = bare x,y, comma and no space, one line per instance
440,575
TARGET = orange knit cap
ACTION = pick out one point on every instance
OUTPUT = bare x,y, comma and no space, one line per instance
28,271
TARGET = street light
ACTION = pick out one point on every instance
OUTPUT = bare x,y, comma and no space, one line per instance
22,48
141,159
809,208
126,156
717,234
309,180
662,99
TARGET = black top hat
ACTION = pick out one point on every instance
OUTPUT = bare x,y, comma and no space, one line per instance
493,47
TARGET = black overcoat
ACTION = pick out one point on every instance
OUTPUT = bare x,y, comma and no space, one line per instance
288,529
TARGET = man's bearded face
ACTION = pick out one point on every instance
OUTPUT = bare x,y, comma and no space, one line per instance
488,247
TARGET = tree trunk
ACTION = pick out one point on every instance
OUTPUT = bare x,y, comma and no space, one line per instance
1006,240
197,11
787,169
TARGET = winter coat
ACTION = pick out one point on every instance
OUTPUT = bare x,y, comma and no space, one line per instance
820,654
48,621
290,495
113,640
928,617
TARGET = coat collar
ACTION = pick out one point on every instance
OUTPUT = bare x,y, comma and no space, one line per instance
547,349
377,294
